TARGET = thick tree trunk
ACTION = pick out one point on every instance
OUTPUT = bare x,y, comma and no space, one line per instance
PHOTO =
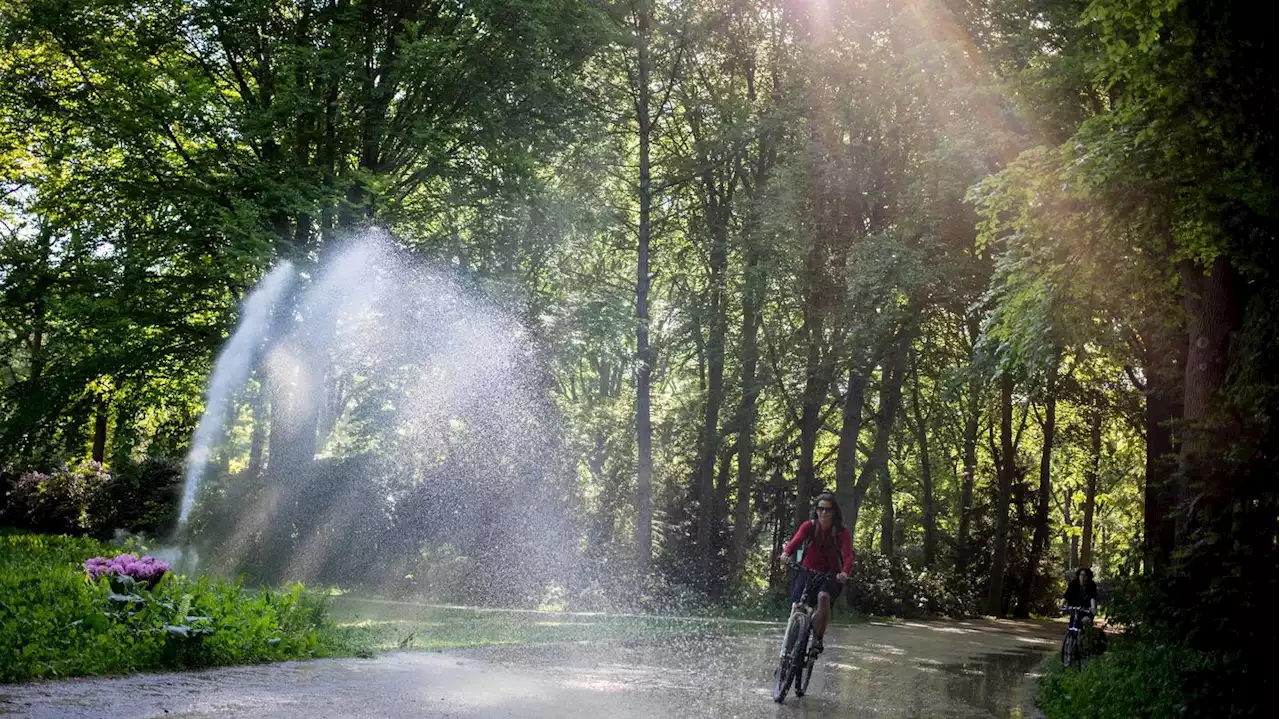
887,517
1040,537
1004,485
1091,487
1159,495
1210,303
644,369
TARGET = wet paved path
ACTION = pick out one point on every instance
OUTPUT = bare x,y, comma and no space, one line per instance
882,669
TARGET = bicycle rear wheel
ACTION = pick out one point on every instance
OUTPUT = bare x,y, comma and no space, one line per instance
785,674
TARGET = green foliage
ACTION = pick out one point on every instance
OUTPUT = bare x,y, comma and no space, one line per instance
54,622
890,586
1137,679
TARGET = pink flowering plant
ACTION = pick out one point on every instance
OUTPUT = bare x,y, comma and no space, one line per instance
63,616
138,569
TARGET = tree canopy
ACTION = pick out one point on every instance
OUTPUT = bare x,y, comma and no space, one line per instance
999,273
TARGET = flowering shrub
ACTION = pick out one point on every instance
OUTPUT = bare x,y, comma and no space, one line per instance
146,569
85,498
65,501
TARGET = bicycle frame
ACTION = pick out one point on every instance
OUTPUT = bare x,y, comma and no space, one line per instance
814,582
792,664
1075,635
796,608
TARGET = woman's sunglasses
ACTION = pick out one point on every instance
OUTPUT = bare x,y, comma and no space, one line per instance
826,509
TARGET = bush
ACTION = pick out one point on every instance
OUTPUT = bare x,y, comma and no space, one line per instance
890,586
56,622
142,497
67,500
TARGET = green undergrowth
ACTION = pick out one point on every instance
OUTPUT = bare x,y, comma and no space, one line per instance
55,622
1149,679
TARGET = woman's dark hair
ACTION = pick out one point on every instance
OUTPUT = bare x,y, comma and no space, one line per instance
1088,573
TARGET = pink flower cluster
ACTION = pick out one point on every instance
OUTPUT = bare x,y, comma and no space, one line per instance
146,569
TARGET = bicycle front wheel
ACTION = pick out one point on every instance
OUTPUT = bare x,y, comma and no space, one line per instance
1071,651
785,674
804,675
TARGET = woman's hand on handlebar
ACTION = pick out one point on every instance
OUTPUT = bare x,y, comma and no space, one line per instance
842,577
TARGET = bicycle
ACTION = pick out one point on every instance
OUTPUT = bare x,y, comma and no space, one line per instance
796,660
1073,644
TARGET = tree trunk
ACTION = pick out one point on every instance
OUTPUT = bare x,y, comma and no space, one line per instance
1160,500
1091,487
1040,537
850,429
752,300
815,391
100,420
887,544
972,424
1211,313
258,437
926,475
644,369
295,416
890,399
44,243
1073,545
746,409
717,221
1004,485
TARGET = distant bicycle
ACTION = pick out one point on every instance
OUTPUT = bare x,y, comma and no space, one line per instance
1076,645
796,660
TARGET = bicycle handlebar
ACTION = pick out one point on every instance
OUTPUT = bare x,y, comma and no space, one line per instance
1086,610
816,575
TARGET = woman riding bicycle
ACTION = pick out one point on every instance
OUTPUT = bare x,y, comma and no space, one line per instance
1083,592
828,547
